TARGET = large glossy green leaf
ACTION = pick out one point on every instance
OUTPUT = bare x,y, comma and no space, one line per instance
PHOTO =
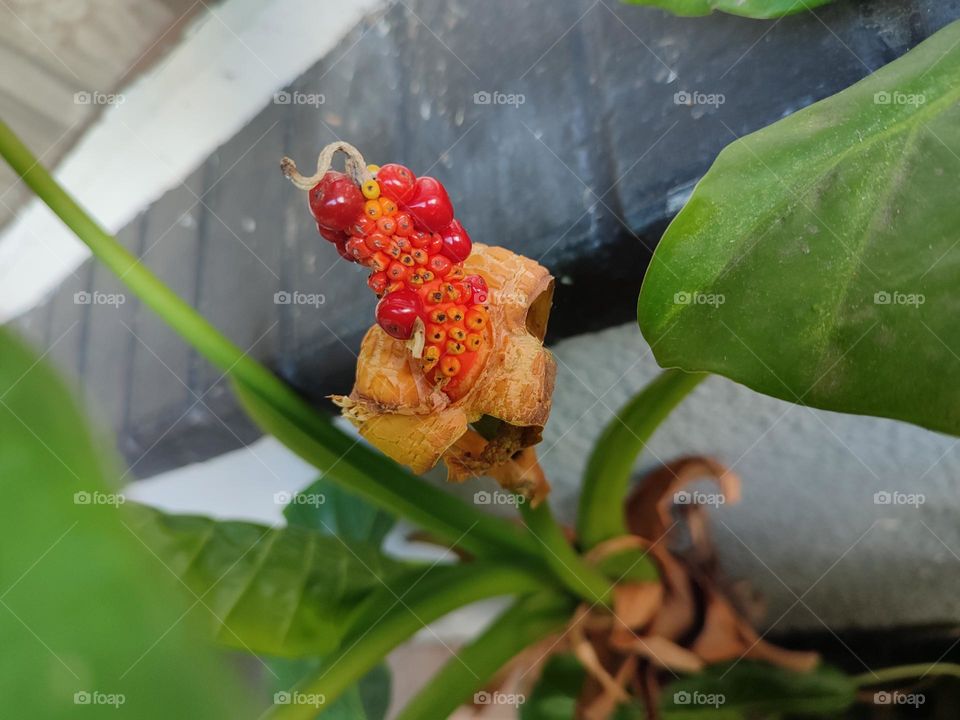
88,625
818,260
748,689
324,506
747,8
279,591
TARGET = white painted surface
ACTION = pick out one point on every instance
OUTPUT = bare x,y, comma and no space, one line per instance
235,57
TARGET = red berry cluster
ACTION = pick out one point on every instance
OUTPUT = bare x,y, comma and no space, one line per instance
402,228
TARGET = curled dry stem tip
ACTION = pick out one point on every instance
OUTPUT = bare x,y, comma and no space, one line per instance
355,166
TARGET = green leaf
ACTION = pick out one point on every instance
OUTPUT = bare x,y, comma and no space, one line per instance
751,689
362,470
817,260
762,9
610,467
86,615
530,619
392,615
368,699
325,507
279,591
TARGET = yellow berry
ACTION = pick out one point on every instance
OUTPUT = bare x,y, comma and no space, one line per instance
372,209
458,333
370,189
455,348
474,342
373,169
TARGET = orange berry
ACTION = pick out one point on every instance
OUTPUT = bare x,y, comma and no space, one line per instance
415,279
457,333
420,256
457,313
438,316
387,206
435,333
451,292
396,271
407,260
427,275
434,297
404,224
378,282
476,319
379,261
386,225
455,348
456,273
372,209
449,366
474,342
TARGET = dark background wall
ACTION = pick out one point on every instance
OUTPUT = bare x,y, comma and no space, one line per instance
583,175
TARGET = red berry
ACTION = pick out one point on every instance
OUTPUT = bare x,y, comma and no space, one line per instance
363,226
377,241
336,201
397,271
330,234
429,204
420,239
396,182
378,282
435,246
404,224
456,242
342,249
358,248
440,265
397,313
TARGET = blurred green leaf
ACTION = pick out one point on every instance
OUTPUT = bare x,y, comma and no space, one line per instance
762,9
555,695
278,591
750,689
92,625
817,260
325,507
368,699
